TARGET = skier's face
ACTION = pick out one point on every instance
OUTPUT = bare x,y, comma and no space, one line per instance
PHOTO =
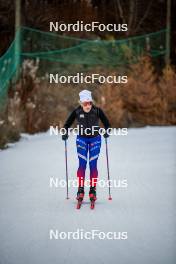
86,106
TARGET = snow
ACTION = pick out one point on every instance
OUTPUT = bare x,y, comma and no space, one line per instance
146,209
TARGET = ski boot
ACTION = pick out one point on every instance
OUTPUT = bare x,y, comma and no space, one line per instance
92,196
80,196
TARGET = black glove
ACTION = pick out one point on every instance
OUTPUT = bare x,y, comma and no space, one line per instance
106,135
65,137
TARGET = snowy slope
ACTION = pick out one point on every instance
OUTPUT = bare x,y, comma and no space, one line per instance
146,210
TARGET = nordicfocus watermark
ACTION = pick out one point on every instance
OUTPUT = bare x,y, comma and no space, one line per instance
81,234
80,130
55,182
80,26
88,79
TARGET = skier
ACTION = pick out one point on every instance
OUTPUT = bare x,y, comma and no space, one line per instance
88,140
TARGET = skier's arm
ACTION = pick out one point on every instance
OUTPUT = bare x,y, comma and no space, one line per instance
68,123
105,122
70,120
104,119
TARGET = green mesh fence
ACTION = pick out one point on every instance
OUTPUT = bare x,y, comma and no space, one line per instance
51,48
69,50
9,64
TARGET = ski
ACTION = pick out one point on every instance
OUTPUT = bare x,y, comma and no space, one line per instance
92,196
79,203
80,196
92,204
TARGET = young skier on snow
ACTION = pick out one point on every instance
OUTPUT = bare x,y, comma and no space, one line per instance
88,140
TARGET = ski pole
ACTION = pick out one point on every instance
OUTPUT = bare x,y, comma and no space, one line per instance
107,159
66,167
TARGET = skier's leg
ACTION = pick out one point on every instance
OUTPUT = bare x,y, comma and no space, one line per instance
94,150
82,150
